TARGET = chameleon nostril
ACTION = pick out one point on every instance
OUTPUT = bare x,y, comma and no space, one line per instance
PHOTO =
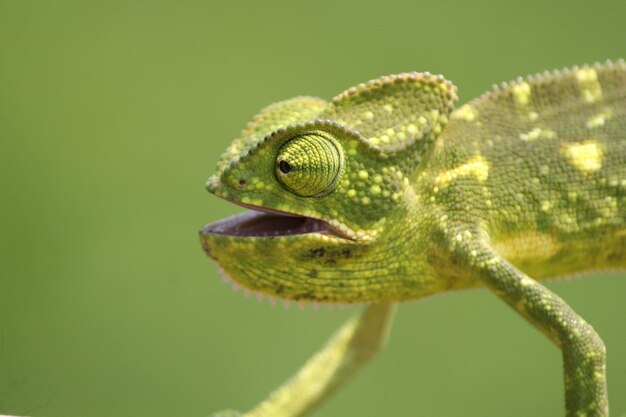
242,182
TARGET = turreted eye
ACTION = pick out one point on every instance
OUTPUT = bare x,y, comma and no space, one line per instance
310,165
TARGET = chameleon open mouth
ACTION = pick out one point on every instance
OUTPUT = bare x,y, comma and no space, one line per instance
265,222
262,224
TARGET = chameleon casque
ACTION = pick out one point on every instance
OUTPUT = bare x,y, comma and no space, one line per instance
386,194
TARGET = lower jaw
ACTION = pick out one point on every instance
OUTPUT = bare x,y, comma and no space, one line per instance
302,285
315,268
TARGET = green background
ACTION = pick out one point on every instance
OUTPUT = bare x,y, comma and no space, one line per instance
112,116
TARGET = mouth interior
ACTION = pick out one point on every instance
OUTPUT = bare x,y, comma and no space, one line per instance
263,224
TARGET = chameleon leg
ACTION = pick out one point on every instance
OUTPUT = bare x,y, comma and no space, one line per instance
359,339
583,350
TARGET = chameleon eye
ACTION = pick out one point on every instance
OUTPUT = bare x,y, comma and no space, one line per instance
284,167
310,165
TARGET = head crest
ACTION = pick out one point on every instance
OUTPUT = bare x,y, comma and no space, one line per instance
394,112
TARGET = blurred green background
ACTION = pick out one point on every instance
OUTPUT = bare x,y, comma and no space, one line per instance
112,116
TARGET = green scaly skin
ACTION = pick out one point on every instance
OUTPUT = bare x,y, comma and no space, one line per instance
414,198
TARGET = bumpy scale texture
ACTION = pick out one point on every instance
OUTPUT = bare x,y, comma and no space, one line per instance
524,183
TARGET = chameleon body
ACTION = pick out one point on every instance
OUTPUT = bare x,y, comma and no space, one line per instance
387,194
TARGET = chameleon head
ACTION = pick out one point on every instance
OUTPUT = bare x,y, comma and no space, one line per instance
325,184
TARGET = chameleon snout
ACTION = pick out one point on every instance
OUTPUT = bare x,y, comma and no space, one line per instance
213,184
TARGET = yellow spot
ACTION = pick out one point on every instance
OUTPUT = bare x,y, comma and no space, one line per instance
532,245
596,121
351,193
368,115
409,196
609,208
375,189
586,75
599,119
388,108
465,112
537,133
378,178
521,93
533,115
590,88
365,201
586,156
412,129
363,174
546,205
477,167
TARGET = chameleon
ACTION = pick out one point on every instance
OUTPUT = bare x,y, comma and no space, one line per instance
389,193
